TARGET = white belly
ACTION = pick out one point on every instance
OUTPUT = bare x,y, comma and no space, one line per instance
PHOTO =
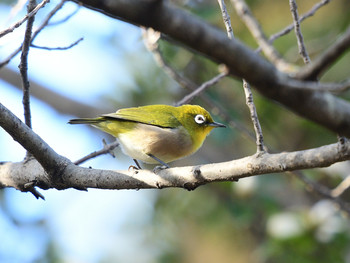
164,143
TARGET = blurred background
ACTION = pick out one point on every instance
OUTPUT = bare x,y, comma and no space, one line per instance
268,218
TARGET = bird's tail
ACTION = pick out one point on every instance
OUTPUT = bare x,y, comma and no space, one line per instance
86,121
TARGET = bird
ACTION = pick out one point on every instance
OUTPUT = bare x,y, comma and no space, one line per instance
156,134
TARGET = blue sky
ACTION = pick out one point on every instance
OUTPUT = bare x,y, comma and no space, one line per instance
87,227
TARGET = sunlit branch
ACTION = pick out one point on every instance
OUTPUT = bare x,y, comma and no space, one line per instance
60,173
341,188
53,163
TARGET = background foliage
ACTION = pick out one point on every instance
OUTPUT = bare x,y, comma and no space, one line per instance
270,218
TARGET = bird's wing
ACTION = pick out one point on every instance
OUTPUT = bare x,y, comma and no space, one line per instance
156,116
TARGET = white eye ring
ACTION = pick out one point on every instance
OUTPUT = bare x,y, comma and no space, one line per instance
200,119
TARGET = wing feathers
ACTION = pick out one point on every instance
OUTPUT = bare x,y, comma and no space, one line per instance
157,115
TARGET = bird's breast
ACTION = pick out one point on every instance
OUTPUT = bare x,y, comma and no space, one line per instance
167,144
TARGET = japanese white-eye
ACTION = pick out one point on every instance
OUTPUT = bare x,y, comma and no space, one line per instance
156,133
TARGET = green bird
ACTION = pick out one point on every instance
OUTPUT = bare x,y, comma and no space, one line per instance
156,133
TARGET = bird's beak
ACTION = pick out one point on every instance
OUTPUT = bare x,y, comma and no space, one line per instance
216,124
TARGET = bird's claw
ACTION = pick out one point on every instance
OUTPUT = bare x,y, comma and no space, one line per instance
159,168
133,168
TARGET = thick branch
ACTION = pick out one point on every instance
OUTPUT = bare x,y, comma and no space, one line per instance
60,173
321,108
53,163
190,177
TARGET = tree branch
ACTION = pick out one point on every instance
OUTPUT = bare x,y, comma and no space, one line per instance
321,63
188,98
36,32
254,27
322,108
323,191
247,91
23,66
341,188
25,18
150,39
299,35
226,18
289,28
254,116
53,163
107,148
60,48
60,173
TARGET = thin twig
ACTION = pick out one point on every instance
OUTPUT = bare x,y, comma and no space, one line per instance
60,48
247,91
254,27
36,32
25,18
226,18
341,188
65,19
23,66
319,86
30,187
299,35
201,88
151,38
254,117
290,27
321,63
107,148
322,191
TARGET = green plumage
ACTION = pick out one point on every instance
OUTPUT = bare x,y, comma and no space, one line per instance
158,115
156,132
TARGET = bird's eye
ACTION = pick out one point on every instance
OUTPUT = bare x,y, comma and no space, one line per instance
200,119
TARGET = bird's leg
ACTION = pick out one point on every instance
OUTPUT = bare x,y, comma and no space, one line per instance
158,160
137,164
134,167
